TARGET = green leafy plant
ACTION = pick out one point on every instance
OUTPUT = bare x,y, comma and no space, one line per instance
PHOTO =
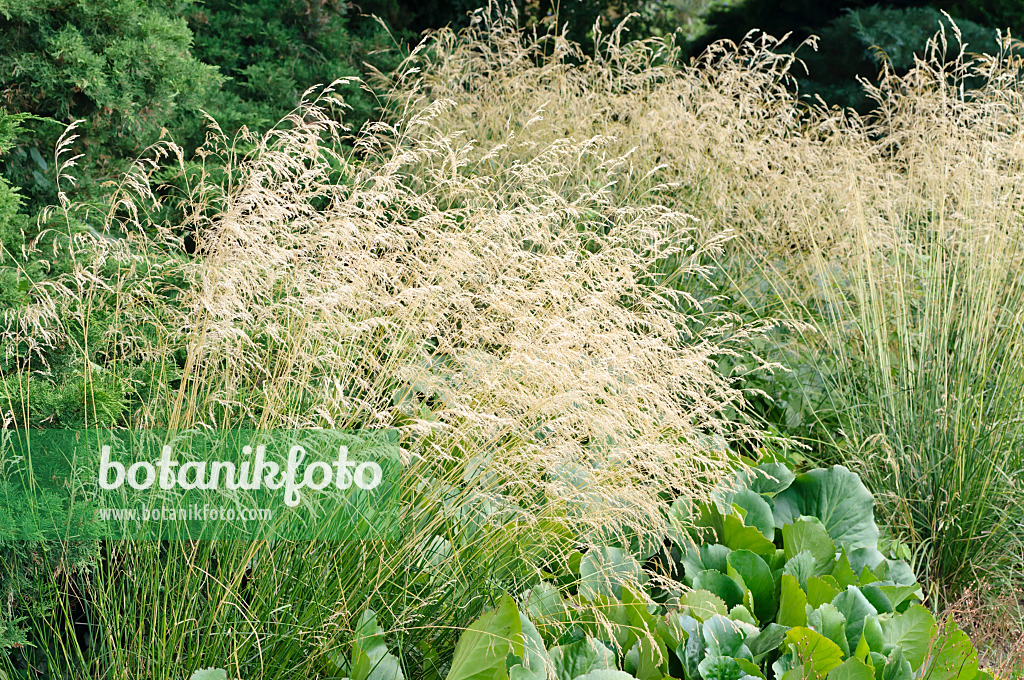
369,658
786,582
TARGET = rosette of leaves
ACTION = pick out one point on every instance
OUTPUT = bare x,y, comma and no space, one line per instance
796,556
786,582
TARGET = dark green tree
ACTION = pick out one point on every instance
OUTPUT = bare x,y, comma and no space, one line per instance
122,66
271,51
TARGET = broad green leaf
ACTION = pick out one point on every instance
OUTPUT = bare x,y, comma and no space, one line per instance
769,478
636,611
867,576
851,669
868,558
802,566
912,631
842,572
434,551
796,673
642,662
758,513
738,536
696,559
897,595
855,608
741,613
613,615
828,621
704,604
815,652
606,675
777,561
877,598
652,654
838,498
209,674
580,657
371,659
535,663
767,640
430,661
730,531
808,535
862,649
820,591
573,563
721,585
792,603
952,657
872,634
897,667
672,628
386,667
900,573
750,668
883,568
723,636
691,653
545,605
720,668
679,519
631,661
757,577
481,651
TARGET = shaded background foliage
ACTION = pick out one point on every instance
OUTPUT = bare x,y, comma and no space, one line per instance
131,68
272,52
124,67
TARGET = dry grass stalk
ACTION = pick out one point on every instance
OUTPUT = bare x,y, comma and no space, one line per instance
995,623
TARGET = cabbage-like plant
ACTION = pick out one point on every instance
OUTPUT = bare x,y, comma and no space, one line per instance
786,583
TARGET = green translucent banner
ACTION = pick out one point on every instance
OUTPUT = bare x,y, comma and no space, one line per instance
199,485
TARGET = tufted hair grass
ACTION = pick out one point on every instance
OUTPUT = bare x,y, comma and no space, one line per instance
890,242
509,316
